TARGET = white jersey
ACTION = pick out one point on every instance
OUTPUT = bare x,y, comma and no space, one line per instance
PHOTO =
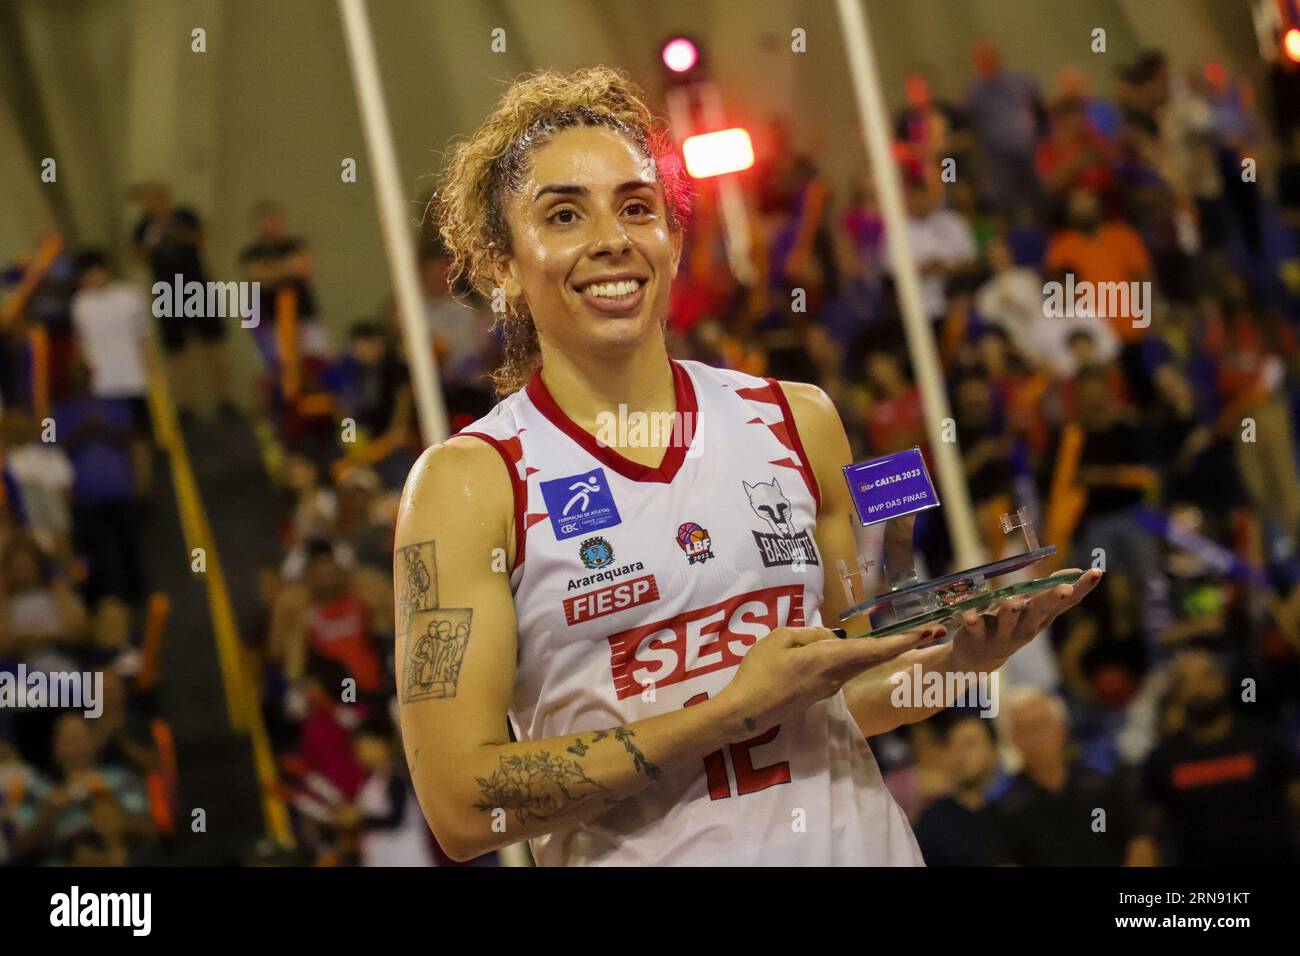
637,591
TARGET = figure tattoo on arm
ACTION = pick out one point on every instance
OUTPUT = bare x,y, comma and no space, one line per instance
436,638
418,582
435,649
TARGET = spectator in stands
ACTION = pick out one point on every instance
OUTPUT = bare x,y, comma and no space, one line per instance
42,476
98,434
1115,470
372,387
361,521
986,445
1197,461
283,266
111,321
1251,352
170,240
393,831
19,783
1222,789
941,244
123,729
327,618
1006,112
1074,82
313,506
894,415
1056,811
959,829
460,336
82,779
40,612
1100,252
1075,155
929,131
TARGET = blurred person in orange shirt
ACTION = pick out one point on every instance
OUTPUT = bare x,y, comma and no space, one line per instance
1099,252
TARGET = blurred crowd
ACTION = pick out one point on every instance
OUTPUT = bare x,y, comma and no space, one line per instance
1157,440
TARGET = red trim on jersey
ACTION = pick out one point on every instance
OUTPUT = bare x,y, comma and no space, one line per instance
805,466
673,457
518,488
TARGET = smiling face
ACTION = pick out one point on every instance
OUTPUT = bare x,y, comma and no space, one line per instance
592,253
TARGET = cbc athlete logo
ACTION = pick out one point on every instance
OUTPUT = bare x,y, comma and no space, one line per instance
580,504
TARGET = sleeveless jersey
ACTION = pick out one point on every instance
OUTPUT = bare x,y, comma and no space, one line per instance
638,590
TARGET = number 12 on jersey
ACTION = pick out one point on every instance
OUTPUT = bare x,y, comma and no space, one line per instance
749,779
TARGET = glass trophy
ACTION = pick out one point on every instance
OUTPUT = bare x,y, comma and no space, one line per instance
892,490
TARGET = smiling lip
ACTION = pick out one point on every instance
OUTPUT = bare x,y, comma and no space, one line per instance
624,306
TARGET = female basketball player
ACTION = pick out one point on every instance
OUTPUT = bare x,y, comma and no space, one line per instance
643,604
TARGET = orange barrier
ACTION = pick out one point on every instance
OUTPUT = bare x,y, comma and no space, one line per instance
163,782
1066,500
39,340
50,250
286,340
156,615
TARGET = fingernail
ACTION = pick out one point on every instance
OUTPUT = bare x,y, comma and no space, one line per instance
839,632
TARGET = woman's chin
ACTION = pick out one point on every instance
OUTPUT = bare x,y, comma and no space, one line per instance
610,337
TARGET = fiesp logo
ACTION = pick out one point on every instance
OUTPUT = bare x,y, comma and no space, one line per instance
701,641
611,599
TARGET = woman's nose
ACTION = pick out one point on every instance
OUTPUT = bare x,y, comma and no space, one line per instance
610,236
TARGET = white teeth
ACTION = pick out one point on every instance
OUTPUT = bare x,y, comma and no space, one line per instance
614,290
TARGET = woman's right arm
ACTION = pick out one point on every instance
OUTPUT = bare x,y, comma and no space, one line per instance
456,656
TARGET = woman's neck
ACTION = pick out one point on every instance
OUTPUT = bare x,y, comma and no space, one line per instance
588,387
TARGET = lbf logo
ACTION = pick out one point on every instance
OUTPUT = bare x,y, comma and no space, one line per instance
580,504
695,541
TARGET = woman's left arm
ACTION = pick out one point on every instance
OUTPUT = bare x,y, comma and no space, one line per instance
982,642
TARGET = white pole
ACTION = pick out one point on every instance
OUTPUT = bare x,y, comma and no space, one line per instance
735,217
394,222
967,548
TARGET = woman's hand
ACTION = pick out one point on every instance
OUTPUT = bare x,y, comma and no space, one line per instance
791,668
983,640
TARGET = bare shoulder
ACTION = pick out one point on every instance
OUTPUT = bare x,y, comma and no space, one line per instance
822,434
459,485
816,417
808,401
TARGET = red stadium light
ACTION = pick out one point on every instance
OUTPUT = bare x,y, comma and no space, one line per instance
1291,43
680,55
713,154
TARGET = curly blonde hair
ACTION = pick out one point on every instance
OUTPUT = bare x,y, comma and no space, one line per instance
485,168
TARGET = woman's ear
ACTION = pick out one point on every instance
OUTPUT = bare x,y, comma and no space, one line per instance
675,237
505,272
